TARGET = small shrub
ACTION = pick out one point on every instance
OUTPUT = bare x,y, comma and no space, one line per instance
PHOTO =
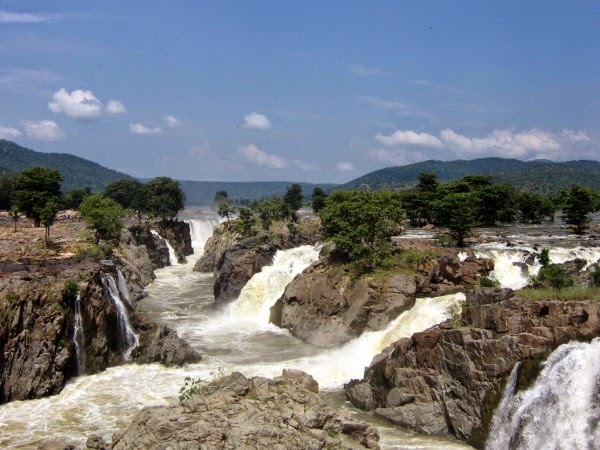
190,388
70,291
556,276
545,257
487,282
595,276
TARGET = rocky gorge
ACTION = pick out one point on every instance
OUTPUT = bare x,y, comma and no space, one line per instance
38,354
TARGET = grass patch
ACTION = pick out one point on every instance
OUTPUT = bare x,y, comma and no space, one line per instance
569,293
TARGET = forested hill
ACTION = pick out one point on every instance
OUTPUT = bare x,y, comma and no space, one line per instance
540,176
77,172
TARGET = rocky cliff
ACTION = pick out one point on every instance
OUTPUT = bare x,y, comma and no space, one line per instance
236,412
37,319
329,304
449,379
234,260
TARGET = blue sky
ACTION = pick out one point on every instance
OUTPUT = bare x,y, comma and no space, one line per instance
319,91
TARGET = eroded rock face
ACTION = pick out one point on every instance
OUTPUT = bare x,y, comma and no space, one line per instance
215,247
449,380
178,234
237,412
328,305
140,235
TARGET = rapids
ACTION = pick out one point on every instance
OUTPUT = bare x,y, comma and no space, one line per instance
235,338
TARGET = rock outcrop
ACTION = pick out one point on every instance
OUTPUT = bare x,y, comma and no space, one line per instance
236,413
449,379
329,304
141,235
178,234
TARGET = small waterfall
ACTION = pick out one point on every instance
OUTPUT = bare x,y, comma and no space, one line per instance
123,289
560,411
514,266
172,256
79,337
264,288
129,340
201,230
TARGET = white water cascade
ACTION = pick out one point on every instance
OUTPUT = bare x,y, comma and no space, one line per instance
129,339
123,289
560,411
79,337
172,256
104,403
201,231
515,266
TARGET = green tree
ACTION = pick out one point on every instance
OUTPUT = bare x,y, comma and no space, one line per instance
73,198
293,200
245,223
556,276
457,211
35,187
130,194
270,210
579,203
47,216
6,192
496,203
428,182
318,199
221,196
14,215
226,210
164,198
534,207
361,224
103,215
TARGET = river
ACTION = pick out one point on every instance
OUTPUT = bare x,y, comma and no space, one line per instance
238,337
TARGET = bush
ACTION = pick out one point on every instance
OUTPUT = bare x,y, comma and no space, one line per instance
556,276
595,276
487,282
190,388
70,291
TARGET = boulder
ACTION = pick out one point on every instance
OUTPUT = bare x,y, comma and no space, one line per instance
238,412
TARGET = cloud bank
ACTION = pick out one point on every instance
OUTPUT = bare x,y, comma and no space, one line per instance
9,133
83,105
400,146
43,130
254,154
10,17
173,122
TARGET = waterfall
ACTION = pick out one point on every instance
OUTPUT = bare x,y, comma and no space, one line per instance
514,266
264,288
78,337
172,256
123,289
560,410
129,340
201,230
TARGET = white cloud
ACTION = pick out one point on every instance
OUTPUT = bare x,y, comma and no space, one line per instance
9,133
255,121
410,138
43,130
302,165
9,17
138,128
115,107
261,158
576,136
345,166
530,144
81,105
172,122
357,69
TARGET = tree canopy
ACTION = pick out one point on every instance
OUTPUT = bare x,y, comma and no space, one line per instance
164,198
103,215
361,224
35,187
579,203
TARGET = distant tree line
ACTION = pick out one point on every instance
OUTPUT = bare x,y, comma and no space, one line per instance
36,193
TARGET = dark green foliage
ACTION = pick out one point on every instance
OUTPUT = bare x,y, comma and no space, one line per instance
579,203
103,215
70,291
318,199
544,177
486,282
556,276
73,198
545,257
496,203
35,187
6,191
47,216
595,276
130,194
220,196
245,223
534,207
428,182
164,198
458,212
361,223
293,199
190,388
226,210
78,172
271,210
